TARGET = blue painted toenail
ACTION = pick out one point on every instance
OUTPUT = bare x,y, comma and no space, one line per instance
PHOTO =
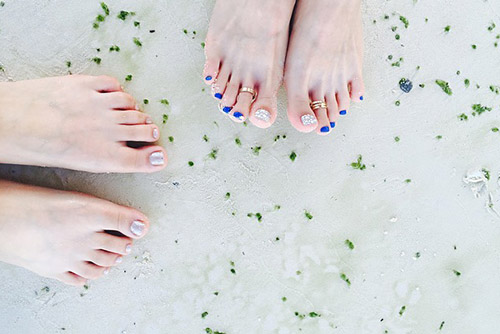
325,129
361,98
332,124
227,109
238,115
343,112
218,96
208,78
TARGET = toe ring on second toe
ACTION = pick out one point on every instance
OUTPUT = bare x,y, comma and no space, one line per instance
315,105
249,90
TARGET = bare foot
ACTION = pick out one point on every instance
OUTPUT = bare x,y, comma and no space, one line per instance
245,47
61,235
76,122
324,62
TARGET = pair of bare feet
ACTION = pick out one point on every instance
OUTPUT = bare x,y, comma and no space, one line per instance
315,45
75,122
84,123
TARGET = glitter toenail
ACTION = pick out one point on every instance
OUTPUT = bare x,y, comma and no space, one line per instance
137,227
156,158
105,272
208,78
361,98
343,112
218,96
227,109
332,124
325,129
263,115
128,249
149,121
308,119
118,260
239,116
156,134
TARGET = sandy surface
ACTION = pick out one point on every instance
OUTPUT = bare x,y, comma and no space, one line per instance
426,251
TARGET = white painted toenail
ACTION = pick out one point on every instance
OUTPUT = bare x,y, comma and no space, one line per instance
118,260
157,159
105,272
263,115
137,227
156,134
128,249
308,119
149,121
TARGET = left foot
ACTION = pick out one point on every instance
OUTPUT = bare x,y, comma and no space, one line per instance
324,62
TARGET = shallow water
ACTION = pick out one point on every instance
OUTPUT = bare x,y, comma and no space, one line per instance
410,238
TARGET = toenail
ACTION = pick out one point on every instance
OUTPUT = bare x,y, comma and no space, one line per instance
227,109
325,129
343,112
308,119
208,78
239,116
128,249
156,134
332,124
263,115
218,96
106,271
156,158
118,260
361,98
137,227
149,121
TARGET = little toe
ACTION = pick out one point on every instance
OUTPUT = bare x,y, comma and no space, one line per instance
147,159
300,114
104,83
343,101
104,259
139,133
220,83
230,95
72,279
264,109
89,270
357,88
119,100
132,117
210,70
113,244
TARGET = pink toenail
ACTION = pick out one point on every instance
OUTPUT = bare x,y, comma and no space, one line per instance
128,249
156,134
157,158
149,120
118,260
308,119
137,227
263,115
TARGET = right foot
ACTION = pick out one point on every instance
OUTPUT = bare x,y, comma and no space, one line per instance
246,47
76,122
63,235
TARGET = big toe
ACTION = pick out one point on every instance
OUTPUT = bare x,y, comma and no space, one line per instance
300,114
264,109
